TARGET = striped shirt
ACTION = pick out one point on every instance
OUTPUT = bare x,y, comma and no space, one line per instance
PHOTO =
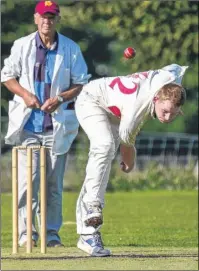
41,121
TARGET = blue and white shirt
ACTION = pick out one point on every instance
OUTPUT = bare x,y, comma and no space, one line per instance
41,121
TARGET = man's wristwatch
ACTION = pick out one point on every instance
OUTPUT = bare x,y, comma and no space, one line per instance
60,99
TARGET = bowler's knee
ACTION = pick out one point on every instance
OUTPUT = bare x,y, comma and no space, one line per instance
105,148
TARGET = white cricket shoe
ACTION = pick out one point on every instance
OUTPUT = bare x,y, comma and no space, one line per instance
93,245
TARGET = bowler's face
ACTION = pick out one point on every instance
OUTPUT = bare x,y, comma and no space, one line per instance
46,23
166,111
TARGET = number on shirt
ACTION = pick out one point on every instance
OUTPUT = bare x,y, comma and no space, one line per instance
122,88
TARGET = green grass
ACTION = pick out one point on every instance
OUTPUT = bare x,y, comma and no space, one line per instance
124,258
145,230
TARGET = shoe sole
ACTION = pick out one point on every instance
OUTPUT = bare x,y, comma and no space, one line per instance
88,251
56,246
94,222
54,243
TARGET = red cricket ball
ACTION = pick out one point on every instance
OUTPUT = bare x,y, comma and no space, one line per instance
129,52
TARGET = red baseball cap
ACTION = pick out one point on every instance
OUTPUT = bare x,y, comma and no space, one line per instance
43,7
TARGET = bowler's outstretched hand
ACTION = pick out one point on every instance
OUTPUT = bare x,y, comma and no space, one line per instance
128,155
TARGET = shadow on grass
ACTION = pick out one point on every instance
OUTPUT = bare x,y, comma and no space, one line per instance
112,256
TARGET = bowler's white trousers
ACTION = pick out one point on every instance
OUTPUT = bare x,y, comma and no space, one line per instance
103,133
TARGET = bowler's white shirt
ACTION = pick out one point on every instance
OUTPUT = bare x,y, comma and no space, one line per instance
130,98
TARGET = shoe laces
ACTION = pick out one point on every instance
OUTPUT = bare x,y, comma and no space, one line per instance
98,240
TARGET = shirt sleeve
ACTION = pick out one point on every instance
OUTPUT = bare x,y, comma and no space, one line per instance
127,128
128,136
79,70
12,64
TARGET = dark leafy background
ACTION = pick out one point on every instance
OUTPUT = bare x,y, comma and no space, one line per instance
162,32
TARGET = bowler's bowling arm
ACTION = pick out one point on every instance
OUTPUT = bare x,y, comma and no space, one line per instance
128,156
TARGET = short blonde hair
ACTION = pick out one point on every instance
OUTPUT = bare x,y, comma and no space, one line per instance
173,92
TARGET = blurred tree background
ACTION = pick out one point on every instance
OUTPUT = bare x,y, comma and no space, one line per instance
162,32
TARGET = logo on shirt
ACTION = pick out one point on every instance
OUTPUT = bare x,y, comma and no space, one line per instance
48,3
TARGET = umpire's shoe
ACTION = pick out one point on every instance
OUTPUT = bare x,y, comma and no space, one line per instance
93,245
55,243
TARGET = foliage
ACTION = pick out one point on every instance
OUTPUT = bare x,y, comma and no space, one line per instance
155,177
159,40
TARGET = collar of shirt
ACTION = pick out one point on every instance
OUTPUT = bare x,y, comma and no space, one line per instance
40,44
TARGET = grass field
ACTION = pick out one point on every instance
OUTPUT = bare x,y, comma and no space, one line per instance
145,231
